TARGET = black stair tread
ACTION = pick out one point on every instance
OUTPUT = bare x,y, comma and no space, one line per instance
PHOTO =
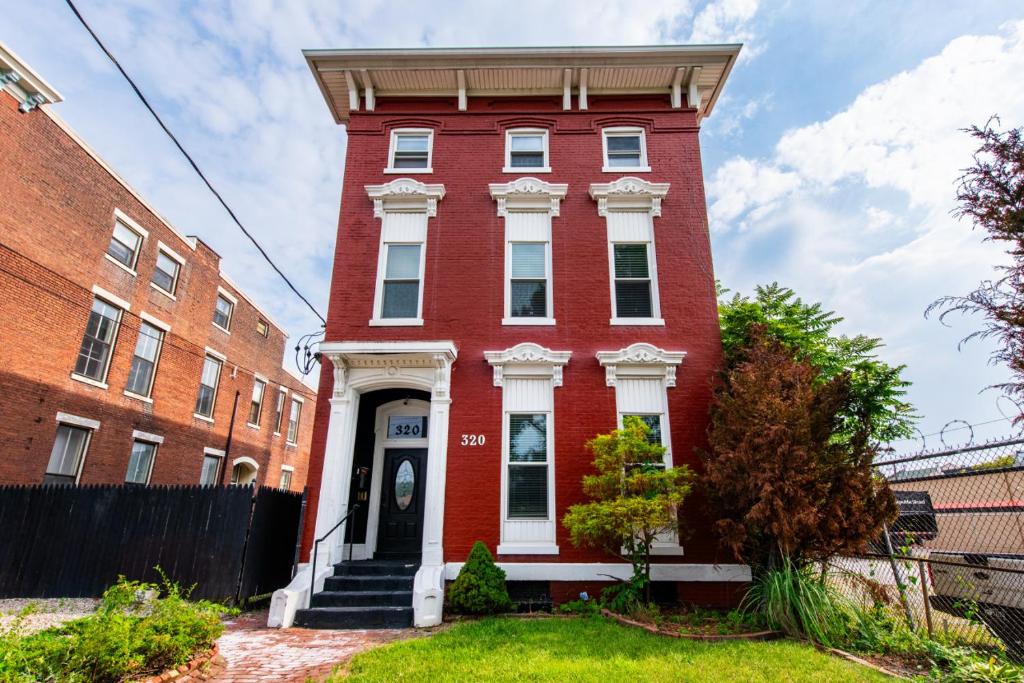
366,593
358,610
373,577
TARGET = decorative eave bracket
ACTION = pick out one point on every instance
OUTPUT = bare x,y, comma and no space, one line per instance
405,194
629,194
640,360
528,360
528,194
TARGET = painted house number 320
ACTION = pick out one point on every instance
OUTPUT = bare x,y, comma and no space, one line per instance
473,439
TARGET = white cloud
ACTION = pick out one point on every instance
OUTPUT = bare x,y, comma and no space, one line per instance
727,21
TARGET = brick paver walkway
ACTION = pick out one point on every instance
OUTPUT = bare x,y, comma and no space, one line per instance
254,652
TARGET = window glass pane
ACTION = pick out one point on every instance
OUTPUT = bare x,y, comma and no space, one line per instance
527,491
293,421
527,159
262,328
256,406
208,387
411,143
626,160
140,462
528,299
633,299
286,480
67,452
528,260
401,299
147,347
654,423
123,244
527,143
403,262
166,272
94,353
280,411
222,312
631,260
211,467
418,161
528,441
624,143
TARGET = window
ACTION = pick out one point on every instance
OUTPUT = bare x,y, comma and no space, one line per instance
124,245
208,387
140,465
526,149
165,275
286,478
279,417
210,474
654,423
222,312
632,282
293,421
411,150
256,405
528,467
147,350
67,455
98,341
624,149
528,280
262,328
401,294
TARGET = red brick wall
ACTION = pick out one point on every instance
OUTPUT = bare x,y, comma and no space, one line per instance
463,295
56,216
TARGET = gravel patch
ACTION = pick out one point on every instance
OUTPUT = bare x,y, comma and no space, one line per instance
47,613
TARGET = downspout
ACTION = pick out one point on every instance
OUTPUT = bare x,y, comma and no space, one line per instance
227,444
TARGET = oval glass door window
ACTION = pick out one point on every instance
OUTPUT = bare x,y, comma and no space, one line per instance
405,484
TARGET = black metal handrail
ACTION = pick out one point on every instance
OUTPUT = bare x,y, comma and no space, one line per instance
316,547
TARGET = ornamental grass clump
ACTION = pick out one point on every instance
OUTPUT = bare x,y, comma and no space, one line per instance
480,586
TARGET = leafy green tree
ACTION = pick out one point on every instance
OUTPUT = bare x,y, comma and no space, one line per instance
633,498
480,586
877,389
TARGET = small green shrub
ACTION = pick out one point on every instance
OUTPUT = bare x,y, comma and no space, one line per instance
480,586
991,670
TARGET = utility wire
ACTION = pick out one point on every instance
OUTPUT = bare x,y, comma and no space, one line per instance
191,160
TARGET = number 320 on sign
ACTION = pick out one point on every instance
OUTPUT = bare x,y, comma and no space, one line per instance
473,439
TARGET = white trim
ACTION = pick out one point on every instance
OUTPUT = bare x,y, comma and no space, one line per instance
89,380
528,194
287,468
640,360
528,360
217,354
170,252
396,347
28,80
203,417
537,322
261,377
76,421
112,299
527,549
395,132
607,571
524,132
246,460
629,194
146,436
130,222
405,194
229,296
138,397
214,451
624,131
130,271
298,397
396,322
647,322
154,321
383,251
163,291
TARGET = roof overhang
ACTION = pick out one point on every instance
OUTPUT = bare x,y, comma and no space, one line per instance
689,75
17,78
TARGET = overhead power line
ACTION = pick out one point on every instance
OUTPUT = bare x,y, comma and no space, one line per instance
191,161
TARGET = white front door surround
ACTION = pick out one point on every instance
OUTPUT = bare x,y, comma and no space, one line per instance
360,367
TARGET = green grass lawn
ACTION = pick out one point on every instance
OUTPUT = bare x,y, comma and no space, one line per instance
591,649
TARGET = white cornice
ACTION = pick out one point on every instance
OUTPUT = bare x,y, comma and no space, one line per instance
528,359
23,83
405,194
529,194
642,360
629,194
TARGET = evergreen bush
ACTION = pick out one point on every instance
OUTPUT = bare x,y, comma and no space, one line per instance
480,586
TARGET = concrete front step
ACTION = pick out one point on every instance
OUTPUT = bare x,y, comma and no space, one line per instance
368,583
363,599
354,617
375,568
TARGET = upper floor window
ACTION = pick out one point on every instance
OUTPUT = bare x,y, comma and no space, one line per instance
259,387
282,394
527,466
411,151
210,474
262,328
165,275
67,454
625,149
528,270
223,310
208,386
143,369
526,149
140,464
633,296
400,297
124,245
293,421
98,341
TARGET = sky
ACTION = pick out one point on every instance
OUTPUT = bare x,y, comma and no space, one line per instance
830,160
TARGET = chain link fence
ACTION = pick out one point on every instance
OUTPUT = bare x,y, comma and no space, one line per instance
952,563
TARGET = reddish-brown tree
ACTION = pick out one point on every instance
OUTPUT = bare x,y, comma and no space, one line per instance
778,480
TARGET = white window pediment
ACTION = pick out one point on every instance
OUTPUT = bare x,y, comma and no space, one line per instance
640,360
405,194
528,194
528,360
629,194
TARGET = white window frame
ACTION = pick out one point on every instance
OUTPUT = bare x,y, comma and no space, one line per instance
526,132
509,319
177,258
121,217
266,328
378,298
231,299
291,473
153,440
282,401
165,329
624,131
298,422
90,426
652,272
258,379
121,305
213,453
393,145
221,360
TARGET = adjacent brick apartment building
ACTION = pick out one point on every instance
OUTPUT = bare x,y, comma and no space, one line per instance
522,260
122,345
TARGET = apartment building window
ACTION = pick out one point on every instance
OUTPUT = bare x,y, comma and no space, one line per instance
140,464
528,280
401,283
411,150
625,149
143,368
526,149
259,387
528,466
633,296
208,386
293,421
98,341
653,423
222,312
67,454
262,328
125,244
212,461
282,395
165,275
286,478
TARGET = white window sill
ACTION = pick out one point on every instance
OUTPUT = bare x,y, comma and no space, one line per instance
649,322
527,321
396,322
138,397
163,291
527,549
202,417
525,170
222,329
277,433
626,169
89,380
120,265
407,171
250,425
291,444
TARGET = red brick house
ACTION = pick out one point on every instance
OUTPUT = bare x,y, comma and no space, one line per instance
122,344
522,260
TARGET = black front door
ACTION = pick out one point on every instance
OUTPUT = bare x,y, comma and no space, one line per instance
400,531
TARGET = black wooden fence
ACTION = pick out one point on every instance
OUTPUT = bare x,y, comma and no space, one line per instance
74,541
